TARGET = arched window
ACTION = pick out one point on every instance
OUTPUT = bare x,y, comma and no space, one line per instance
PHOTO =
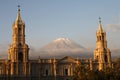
46,72
66,72
100,38
96,58
20,44
105,58
19,29
20,56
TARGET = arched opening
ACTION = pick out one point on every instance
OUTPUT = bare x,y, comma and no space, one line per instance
96,58
20,44
20,56
105,58
100,37
19,29
66,72
46,72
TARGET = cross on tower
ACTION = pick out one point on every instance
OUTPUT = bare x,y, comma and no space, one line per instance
18,7
99,19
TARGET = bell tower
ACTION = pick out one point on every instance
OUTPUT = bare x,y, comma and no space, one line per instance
18,51
102,54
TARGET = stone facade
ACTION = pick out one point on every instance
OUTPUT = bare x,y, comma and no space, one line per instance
18,66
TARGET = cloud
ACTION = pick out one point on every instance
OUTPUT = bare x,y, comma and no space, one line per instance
113,27
116,18
115,52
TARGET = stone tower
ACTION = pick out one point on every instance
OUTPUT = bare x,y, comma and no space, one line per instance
18,50
102,54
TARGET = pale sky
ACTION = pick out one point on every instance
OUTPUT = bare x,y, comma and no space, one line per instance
47,20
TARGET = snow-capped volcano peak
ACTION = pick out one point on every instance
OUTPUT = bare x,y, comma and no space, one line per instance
66,40
61,47
62,44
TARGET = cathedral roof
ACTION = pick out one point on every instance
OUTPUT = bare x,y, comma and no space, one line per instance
67,59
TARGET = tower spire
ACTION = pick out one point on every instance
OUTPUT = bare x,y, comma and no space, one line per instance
100,26
18,18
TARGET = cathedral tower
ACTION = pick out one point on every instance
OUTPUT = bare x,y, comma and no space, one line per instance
18,50
102,54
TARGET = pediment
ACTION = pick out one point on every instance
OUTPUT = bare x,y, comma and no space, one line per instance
67,59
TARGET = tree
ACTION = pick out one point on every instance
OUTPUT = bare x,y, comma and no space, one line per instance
80,73
117,64
117,69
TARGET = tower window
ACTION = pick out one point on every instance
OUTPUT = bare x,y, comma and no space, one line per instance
19,29
96,58
20,56
100,38
105,58
20,44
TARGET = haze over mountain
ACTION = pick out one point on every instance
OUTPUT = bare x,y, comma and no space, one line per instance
63,47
